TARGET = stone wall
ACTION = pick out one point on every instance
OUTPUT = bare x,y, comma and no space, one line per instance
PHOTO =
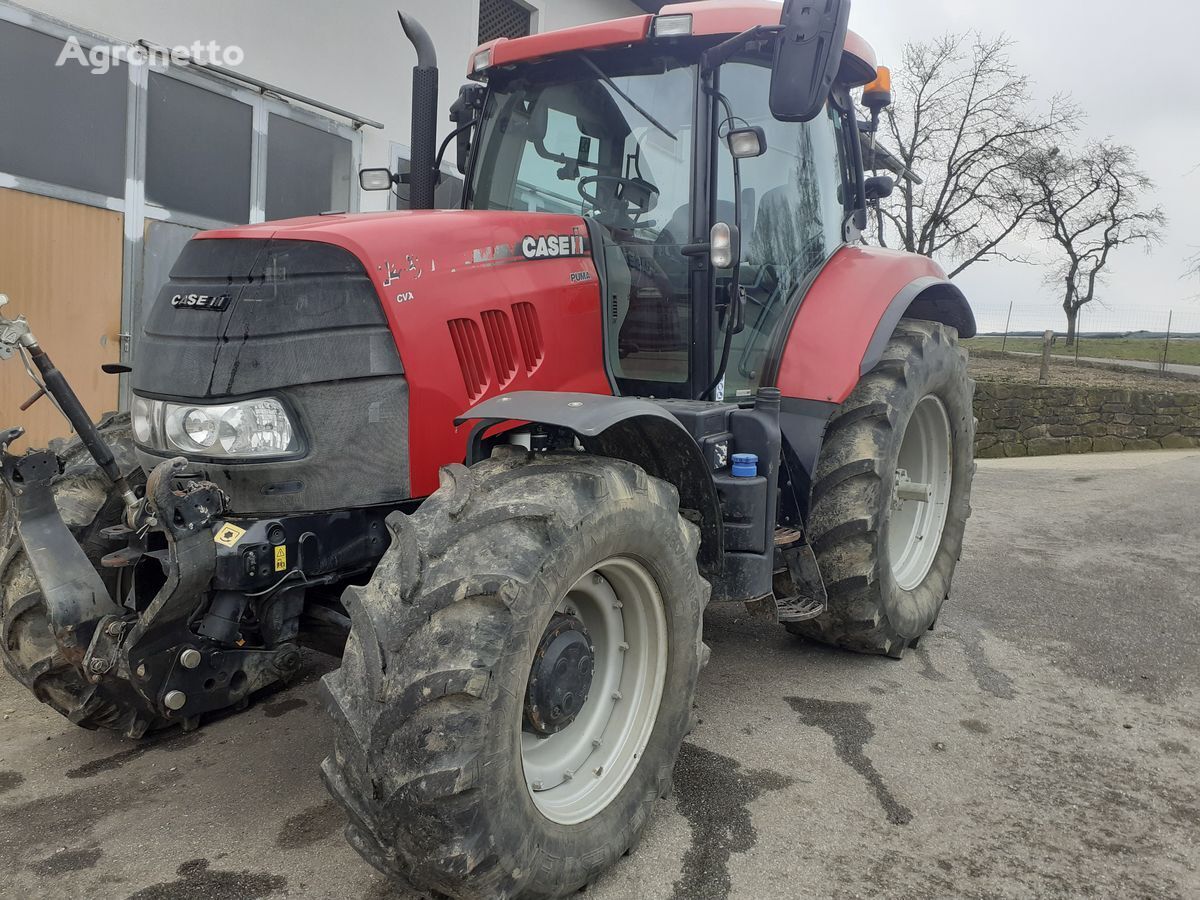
1032,420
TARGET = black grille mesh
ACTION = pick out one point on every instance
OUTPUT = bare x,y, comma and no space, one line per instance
502,18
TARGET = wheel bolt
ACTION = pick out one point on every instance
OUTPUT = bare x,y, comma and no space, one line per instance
189,658
536,785
98,666
175,700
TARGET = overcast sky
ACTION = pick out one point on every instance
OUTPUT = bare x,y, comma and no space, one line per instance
1132,68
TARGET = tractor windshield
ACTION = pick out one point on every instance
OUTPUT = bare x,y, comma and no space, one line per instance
613,143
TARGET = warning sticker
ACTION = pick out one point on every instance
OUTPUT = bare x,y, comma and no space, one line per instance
228,534
280,558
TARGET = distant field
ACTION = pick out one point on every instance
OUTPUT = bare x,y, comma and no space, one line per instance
1183,350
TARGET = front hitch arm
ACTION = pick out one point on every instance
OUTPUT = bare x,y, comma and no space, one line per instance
73,592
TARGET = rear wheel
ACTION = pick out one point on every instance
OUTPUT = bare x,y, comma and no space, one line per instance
87,503
519,676
891,494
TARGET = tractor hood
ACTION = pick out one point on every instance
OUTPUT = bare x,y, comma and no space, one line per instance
406,317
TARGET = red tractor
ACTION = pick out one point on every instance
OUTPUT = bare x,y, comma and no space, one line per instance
501,457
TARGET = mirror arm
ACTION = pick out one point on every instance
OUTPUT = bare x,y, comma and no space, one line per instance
446,143
726,50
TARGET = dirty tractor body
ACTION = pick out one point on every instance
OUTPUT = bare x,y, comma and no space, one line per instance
498,458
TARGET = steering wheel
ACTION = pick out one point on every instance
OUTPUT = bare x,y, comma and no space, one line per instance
637,195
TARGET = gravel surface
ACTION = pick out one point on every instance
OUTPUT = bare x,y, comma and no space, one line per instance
1044,740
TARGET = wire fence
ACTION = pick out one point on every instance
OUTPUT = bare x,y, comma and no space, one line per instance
1163,340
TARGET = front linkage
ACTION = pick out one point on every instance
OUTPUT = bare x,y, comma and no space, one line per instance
149,653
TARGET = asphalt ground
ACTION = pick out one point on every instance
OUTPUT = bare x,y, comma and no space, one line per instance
1043,740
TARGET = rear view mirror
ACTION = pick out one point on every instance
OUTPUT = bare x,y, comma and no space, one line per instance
376,179
878,187
808,54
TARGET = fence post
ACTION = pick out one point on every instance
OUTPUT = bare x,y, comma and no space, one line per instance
1047,338
1167,342
1007,321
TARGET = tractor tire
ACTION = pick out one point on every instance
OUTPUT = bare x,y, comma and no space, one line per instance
888,561
437,759
88,503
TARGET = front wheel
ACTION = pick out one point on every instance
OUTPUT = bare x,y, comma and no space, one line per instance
519,676
892,493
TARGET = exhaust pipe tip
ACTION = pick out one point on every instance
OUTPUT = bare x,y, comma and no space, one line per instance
416,33
422,178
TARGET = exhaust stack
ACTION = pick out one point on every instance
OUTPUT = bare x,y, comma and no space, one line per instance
422,176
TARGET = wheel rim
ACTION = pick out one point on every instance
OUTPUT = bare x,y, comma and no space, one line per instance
920,495
574,774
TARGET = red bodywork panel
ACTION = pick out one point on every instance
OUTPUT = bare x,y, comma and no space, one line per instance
838,317
709,18
458,295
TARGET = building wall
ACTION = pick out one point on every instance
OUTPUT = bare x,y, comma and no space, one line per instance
350,55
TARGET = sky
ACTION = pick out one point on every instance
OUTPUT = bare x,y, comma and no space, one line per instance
1132,70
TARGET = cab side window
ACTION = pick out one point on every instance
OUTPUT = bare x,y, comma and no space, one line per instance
792,212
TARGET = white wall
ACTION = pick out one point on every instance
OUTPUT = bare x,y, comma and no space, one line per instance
351,55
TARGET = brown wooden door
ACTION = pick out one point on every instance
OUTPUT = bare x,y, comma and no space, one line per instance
60,264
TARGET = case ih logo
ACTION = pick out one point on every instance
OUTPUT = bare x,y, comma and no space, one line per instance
215,302
553,246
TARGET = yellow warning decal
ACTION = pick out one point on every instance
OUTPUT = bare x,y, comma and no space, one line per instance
280,558
228,534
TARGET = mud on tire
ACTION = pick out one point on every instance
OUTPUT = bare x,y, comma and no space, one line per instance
88,503
851,495
428,703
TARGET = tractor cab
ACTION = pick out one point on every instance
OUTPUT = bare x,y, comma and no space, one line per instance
709,199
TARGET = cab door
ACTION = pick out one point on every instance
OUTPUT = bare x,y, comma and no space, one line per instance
793,214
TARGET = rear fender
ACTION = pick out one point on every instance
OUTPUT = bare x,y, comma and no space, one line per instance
625,428
840,330
851,309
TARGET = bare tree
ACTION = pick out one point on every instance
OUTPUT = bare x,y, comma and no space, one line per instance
1089,205
964,119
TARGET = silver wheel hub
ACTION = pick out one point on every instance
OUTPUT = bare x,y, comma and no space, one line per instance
575,772
920,494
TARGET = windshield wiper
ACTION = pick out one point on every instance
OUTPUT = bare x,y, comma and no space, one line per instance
612,84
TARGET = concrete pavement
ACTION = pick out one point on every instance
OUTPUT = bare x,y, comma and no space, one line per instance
1044,740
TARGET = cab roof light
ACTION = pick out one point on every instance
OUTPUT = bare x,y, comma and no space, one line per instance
878,93
481,60
672,26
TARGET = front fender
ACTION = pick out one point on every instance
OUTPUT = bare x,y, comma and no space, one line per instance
638,431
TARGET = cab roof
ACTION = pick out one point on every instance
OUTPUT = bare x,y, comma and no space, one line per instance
714,18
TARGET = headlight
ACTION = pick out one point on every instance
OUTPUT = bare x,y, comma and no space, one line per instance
248,429
144,418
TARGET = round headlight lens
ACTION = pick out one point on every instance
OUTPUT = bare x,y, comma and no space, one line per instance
200,427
